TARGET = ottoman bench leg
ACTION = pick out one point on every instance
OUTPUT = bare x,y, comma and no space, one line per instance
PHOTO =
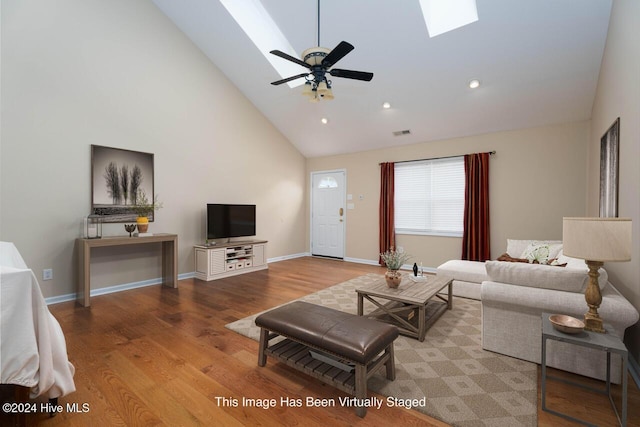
361,388
264,342
390,364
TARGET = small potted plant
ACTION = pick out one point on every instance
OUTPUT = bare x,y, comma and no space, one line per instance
143,207
394,260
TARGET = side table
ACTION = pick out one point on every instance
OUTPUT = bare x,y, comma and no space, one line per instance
605,342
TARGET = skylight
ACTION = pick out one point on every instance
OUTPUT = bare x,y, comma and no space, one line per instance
256,22
446,15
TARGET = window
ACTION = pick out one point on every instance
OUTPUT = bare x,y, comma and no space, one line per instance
429,197
328,182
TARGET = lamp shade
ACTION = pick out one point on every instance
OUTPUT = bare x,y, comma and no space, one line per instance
597,239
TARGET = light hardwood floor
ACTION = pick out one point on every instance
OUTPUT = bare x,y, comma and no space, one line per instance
160,356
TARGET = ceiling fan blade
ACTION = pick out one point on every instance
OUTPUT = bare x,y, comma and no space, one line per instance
288,79
350,74
290,58
337,54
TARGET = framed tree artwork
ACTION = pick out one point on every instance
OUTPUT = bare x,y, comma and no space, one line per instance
118,177
609,167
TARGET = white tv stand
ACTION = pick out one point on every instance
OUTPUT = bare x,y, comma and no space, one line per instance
230,259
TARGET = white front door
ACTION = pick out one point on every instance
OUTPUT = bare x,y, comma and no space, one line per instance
328,213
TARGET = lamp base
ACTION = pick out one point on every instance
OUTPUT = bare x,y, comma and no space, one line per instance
592,320
593,324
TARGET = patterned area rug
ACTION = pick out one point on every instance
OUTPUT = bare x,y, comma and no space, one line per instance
464,385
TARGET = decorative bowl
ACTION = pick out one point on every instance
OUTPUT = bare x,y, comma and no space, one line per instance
566,324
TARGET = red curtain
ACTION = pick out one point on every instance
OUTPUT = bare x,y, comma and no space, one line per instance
387,234
475,238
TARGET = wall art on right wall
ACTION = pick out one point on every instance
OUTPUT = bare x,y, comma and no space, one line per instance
609,165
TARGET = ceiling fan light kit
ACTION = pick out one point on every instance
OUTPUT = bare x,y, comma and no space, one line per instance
315,55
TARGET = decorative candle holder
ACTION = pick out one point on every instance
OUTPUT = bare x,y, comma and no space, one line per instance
94,227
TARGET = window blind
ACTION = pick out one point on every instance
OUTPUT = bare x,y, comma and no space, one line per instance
429,197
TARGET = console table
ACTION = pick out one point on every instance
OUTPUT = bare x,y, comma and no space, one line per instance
169,259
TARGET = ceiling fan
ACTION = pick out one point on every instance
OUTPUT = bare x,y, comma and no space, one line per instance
319,61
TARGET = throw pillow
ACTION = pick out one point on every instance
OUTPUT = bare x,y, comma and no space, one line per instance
516,247
541,252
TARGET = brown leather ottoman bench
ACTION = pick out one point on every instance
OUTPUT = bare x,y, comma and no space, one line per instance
364,343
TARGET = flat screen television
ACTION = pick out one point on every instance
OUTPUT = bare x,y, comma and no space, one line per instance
224,221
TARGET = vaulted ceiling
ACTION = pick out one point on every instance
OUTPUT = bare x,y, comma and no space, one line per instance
537,60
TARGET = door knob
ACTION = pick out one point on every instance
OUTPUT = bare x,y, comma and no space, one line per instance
341,211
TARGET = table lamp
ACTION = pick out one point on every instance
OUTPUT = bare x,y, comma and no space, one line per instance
596,240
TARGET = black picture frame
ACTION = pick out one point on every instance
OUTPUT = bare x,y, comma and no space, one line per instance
108,197
609,170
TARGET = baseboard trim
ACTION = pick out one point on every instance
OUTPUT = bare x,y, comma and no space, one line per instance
286,257
116,288
361,261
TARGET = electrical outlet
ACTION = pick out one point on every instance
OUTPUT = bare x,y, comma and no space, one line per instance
400,249
47,274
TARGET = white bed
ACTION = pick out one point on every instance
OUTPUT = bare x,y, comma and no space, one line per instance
33,351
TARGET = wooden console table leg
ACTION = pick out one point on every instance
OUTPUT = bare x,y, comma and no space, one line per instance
170,264
84,274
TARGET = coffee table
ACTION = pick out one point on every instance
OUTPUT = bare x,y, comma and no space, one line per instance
412,307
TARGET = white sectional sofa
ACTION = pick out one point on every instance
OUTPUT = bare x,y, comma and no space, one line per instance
514,295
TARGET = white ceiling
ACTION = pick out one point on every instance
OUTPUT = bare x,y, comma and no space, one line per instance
538,61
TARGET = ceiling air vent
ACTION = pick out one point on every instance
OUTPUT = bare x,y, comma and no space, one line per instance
402,132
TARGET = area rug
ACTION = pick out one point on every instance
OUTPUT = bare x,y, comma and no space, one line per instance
464,385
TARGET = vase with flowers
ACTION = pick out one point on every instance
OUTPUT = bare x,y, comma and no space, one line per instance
394,260
143,207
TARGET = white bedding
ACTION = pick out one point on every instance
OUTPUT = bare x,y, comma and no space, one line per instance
33,351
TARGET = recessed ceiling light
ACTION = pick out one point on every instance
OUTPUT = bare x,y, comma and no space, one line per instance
324,120
386,105
474,83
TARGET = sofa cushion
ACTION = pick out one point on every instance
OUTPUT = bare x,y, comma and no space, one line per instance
515,247
467,271
541,276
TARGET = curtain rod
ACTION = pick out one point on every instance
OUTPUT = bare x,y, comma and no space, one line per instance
491,153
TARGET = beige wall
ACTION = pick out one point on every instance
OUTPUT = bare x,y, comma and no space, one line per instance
118,73
537,176
618,95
